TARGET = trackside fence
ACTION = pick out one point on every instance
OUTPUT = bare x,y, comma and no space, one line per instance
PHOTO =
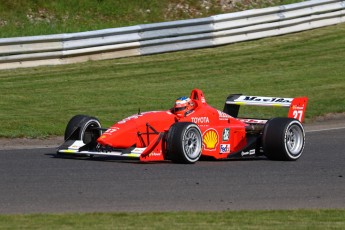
169,36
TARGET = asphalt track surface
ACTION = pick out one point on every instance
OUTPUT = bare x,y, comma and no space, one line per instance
36,181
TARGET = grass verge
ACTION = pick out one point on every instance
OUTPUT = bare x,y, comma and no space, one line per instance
299,219
38,102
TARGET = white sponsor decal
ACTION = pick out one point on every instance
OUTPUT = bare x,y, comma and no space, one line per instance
264,99
250,152
135,116
129,118
76,145
225,148
138,150
203,100
223,116
253,121
226,134
111,130
155,154
200,120
295,107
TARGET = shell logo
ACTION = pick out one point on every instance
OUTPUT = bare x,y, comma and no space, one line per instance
210,139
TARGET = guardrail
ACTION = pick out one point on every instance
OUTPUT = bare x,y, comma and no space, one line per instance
169,36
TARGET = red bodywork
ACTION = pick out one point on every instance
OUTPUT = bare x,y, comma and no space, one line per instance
222,134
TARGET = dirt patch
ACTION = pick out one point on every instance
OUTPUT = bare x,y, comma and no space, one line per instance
330,117
28,143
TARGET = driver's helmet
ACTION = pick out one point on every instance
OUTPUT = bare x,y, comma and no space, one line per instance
182,105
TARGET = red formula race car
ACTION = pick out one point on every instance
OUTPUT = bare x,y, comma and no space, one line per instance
193,129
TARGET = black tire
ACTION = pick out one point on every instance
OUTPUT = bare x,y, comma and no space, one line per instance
84,128
72,125
184,143
283,139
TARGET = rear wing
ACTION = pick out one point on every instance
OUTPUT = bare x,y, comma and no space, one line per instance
297,106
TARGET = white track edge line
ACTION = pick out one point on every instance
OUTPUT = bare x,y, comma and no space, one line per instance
320,130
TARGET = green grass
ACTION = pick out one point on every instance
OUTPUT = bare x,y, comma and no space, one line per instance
299,219
41,17
38,102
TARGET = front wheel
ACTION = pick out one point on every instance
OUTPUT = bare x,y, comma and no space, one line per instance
283,139
184,141
84,128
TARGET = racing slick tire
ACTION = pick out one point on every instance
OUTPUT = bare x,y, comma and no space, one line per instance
283,139
84,128
184,143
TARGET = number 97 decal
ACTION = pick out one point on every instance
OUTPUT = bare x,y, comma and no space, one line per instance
298,114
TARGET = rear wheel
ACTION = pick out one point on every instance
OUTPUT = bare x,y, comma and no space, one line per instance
283,139
184,143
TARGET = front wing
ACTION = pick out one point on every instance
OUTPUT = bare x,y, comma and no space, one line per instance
76,147
153,152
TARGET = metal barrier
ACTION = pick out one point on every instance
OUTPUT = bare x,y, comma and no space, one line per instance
169,36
